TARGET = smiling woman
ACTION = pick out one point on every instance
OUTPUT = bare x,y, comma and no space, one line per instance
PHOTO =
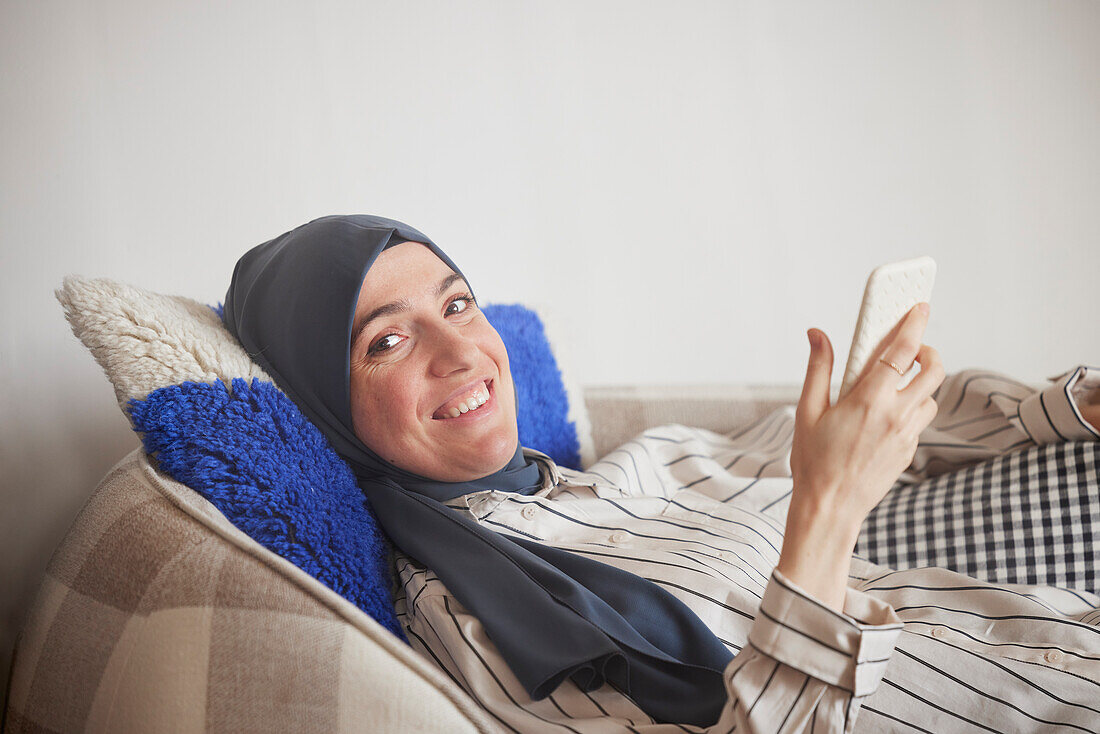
662,586
431,391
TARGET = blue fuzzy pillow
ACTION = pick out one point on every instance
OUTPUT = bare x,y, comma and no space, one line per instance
213,420
252,454
544,405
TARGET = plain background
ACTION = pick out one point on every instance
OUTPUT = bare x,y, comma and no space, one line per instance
683,187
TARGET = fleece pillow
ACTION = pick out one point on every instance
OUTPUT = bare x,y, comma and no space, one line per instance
214,420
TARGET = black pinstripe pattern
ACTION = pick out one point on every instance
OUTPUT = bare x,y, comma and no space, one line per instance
711,546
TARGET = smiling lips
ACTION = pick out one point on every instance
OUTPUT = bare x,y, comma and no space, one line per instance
467,401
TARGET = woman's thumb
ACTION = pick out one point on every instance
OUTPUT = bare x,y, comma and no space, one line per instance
815,390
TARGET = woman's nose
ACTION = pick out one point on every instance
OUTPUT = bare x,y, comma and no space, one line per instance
452,351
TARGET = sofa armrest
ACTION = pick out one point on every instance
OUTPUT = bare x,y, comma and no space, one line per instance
157,615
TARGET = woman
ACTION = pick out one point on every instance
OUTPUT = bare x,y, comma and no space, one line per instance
525,581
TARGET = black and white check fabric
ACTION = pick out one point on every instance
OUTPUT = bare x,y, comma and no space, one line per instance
1027,517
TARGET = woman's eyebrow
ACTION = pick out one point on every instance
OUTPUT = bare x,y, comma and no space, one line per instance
388,309
446,283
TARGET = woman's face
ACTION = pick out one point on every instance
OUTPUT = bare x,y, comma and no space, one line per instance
421,354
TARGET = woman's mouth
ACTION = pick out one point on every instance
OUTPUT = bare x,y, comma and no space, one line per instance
471,400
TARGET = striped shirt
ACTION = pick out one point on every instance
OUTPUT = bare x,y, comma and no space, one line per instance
702,516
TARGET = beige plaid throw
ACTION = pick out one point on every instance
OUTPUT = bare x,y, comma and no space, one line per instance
158,615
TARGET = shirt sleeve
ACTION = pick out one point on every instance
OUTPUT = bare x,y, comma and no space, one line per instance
807,667
984,414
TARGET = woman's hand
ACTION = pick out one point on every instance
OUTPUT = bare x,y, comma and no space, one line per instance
845,457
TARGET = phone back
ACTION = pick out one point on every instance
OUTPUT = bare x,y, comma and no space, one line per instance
891,291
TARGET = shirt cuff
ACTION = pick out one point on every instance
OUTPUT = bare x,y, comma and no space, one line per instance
849,650
1051,415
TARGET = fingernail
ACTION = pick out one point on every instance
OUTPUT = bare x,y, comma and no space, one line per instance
924,308
815,340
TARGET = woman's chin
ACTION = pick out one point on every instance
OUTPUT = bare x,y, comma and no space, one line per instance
491,462
480,459
463,450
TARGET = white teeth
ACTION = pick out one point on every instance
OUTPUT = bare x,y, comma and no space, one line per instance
473,402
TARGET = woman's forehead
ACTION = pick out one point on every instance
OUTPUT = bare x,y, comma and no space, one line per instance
405,261
402,273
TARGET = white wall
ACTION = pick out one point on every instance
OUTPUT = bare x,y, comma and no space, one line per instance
686,187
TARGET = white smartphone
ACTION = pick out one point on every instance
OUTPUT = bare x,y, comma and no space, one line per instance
891,291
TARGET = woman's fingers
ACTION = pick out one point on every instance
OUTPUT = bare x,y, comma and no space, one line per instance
931,377
815,390
922,417
880,349
902,350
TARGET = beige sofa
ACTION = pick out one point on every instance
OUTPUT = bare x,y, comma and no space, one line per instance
158,615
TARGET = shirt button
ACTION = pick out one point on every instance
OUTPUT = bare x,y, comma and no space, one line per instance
1053,656
529,512
938,632
619,537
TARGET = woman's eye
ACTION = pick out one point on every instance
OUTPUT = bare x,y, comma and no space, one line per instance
458,305
389,341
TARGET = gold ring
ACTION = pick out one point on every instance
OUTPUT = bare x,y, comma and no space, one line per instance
892,366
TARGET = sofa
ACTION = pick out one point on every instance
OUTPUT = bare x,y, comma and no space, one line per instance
162,611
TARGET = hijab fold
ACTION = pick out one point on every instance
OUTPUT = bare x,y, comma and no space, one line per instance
552,614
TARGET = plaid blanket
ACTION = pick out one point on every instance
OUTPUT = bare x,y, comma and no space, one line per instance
157,615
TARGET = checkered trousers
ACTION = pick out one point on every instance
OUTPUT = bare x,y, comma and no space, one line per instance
1028,517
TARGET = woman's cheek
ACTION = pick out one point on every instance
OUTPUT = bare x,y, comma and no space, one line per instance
370,410
402,398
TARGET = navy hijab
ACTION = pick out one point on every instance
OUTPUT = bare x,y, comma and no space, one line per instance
552,614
